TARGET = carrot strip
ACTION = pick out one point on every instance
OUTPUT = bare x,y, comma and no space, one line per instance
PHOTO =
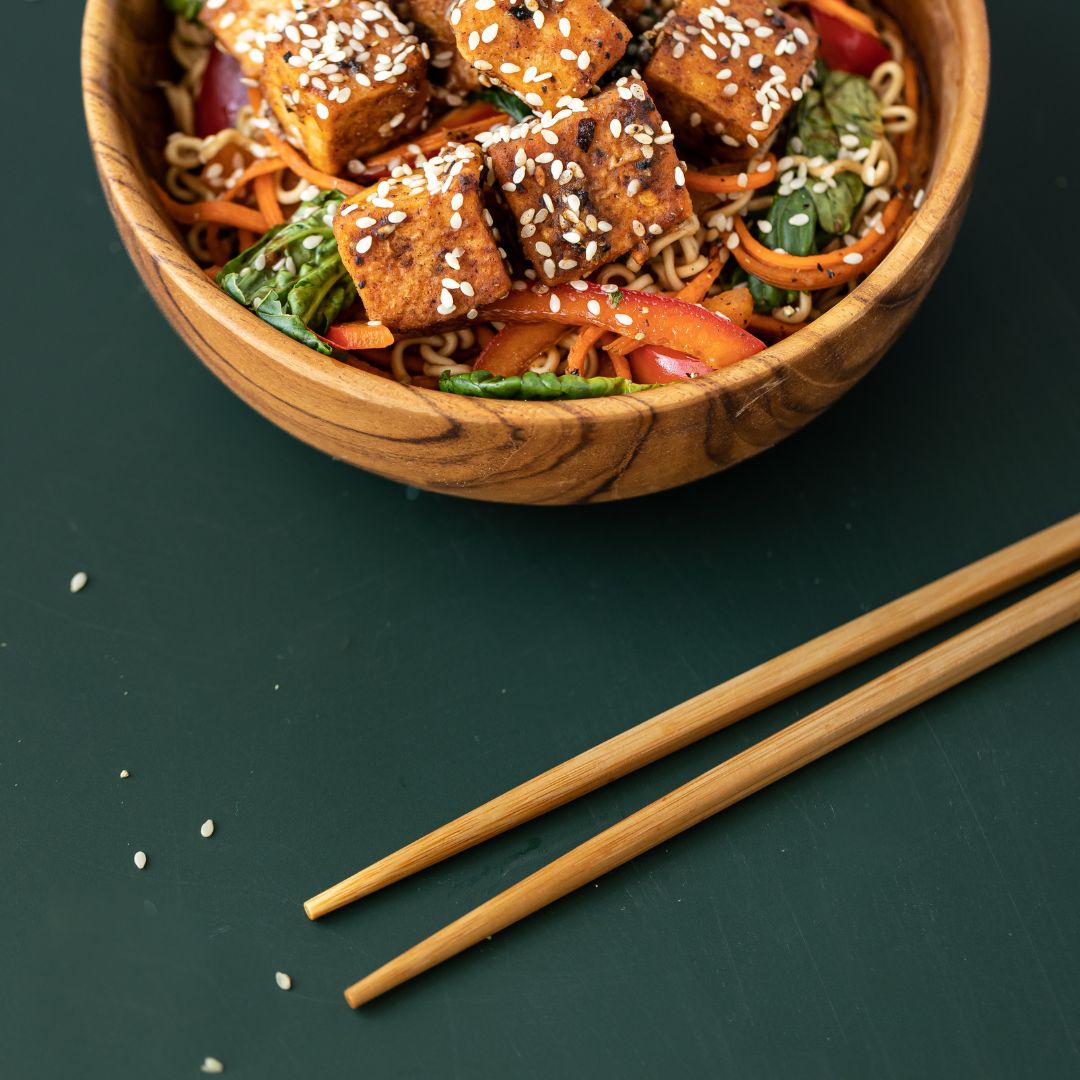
810,272
263,167
359,335
247,239
839,10
266,198
436,139
586,338
219,250
693,292
223,213
770,329
732,183
299,165
467,114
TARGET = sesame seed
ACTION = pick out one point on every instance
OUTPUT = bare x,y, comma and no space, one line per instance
554,303
616,127
798,220
536,101
322,111
78,581
311,242
594,307
363,245
124,774
765,226
365,222
582,60
206,830
543,248
474,40
538,20
467,289
396,217
489,33
509,69
733,241
211,1065
455,221
564,26
623,320
853,258
284,981
549,268
140,860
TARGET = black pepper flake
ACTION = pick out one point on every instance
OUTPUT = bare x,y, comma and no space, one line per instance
521,13
586,129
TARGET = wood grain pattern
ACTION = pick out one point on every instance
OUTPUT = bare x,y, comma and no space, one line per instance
560,452
883,699
739,697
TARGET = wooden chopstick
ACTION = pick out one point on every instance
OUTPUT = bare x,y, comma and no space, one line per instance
864,709
709,712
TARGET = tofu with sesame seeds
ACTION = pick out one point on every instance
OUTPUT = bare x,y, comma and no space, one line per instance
542,50
591,182
726,74
432,26
241,27
421,246
345,79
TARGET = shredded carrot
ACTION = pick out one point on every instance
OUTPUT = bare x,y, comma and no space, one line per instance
587,337
436,139
733,183
839,10
359,335
216,245
467,114
811,272
516,345
247,239
215,210
693,292
299,165
770,329
263,167
266,197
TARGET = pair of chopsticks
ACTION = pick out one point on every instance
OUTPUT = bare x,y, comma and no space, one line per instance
882,699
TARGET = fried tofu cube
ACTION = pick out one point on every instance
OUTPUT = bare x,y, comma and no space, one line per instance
421,246
432,26
542,50
591,182
726,74
345,79
241,27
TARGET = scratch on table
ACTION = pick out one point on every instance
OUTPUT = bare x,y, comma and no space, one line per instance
1008,891
817,970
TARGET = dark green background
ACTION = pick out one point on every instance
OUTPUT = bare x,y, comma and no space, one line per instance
329,664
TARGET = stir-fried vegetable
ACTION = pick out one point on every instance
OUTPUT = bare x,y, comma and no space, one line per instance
293,278
849,47
504,101
791,227
533,386
186,9
842,112
516,345
836,205
648,318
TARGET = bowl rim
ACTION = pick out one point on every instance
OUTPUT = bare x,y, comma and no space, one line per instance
954,157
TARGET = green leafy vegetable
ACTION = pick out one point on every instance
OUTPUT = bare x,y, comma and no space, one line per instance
504,100
295,283
186,9
842,105
838,202
615,298
535,387
794,224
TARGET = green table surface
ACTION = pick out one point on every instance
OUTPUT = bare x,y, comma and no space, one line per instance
328,664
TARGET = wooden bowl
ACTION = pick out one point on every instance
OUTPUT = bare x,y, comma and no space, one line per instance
529,452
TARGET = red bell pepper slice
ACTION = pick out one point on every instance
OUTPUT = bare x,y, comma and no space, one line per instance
222,95
845,47
650,318
650,364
